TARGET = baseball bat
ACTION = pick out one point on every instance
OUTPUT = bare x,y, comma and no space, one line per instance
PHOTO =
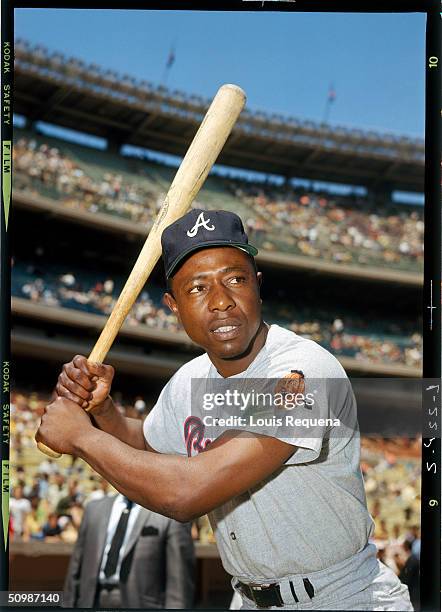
199,159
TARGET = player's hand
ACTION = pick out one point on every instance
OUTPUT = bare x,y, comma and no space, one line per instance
62,425
86,384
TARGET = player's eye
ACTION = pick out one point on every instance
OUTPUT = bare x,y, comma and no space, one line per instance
196,289
237,280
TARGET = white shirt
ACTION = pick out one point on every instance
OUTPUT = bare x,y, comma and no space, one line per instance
98,494
117,509
19,508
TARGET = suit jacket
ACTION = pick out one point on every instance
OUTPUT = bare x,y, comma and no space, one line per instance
158,565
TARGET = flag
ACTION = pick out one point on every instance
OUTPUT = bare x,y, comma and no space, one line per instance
331,97
170,59
331,94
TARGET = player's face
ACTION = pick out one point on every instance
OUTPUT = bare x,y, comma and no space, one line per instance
216,298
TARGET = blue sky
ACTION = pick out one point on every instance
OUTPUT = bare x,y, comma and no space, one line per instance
284,61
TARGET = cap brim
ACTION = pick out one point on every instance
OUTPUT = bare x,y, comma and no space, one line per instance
247,248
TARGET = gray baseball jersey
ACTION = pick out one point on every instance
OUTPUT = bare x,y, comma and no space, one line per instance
311,513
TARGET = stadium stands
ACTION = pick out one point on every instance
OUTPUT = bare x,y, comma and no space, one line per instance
339,229
58,491
343,333
336,228
392,474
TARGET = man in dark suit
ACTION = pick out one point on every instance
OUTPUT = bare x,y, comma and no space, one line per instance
127,556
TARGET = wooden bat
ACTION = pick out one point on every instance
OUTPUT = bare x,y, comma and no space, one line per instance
199,159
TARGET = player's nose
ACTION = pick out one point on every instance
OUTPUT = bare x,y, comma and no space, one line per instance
220,299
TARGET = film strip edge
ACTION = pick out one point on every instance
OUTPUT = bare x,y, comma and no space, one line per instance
5,276
431,393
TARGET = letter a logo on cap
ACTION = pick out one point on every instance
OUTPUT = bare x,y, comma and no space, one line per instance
200,222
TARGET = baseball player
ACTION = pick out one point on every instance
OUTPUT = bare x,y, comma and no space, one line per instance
289,512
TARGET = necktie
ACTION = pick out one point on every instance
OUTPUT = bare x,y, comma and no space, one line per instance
117,541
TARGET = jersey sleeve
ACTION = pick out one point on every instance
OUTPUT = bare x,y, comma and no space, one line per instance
314,390
309,426
301,419
160,428
332,412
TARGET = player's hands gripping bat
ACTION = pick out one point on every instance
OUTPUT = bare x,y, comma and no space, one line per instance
199,159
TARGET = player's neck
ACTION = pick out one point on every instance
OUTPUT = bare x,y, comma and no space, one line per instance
231,367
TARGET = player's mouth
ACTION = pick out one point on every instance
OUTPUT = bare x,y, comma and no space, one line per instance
224,330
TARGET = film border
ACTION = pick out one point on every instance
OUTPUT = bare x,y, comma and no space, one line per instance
7,72
430,559
430,568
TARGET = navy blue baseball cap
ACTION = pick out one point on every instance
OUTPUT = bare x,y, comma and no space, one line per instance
199,229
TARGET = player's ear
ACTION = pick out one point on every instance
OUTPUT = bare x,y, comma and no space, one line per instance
259,281
169,300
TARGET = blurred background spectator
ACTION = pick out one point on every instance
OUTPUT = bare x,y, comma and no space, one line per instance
19,507
129,557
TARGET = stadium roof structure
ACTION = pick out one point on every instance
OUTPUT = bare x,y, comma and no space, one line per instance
70,93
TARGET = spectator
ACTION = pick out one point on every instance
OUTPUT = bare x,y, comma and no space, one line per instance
414,538
129,557
19,508
140,406
103,490
43,486
51,529
409,574
338,325
108,286
48,466
33,523
65,504
56,489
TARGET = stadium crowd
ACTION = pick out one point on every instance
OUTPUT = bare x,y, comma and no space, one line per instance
392,475
48,497
47,166
348,335
341,229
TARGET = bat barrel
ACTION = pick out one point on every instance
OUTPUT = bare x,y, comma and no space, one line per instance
196,165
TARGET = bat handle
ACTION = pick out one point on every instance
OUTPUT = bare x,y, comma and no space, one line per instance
48,451
98,354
